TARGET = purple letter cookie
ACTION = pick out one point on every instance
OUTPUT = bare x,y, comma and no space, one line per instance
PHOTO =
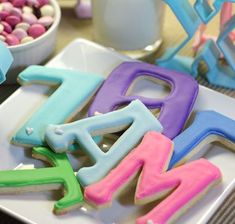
175,108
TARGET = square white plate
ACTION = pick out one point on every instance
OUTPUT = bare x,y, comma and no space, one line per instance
37,207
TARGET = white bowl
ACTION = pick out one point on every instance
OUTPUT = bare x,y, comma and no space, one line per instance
36,51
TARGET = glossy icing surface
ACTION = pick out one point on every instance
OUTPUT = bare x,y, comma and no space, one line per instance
152,157
189,182
6,60
35,179
135,116
175,108
74,91
206,123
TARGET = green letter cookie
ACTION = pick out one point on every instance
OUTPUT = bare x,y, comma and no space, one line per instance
50,178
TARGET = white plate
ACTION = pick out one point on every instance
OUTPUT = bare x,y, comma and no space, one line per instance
37,207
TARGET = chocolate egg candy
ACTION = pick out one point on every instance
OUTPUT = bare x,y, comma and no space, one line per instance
16,12
36,30
20,33
24,26
26,40
29,18
11,40
4,33
7,6
47,10
2,38
18,3
13,20
1,28
32,2
7,27
46,21
26,9
3,15
43,2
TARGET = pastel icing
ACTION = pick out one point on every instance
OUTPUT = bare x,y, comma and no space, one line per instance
151,157
74,91
188,182
175,108
206,124
135,116
6,61
45,178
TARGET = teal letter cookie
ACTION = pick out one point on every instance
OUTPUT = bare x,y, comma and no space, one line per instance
6,60
135,116
74,91
45,178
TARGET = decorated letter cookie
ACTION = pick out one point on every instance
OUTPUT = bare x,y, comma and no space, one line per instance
42,179
74,91
175,108
135,116
208,127
6,60
185,184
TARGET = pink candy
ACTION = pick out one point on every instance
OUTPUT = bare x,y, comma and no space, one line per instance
29,18
36,30
22,21
16,12
7,27
19,33
19,3
32,2
46,21
11,39
43,2
13,20
4,14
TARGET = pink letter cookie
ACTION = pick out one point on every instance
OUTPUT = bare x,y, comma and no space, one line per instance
152,158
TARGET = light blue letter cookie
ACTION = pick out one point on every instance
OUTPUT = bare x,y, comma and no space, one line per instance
6,60
135,116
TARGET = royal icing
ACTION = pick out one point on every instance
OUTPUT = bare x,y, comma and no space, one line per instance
206,124
6,60
45,178
151,157
135,116
74,92
175,108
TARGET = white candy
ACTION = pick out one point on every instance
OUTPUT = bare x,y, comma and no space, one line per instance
7,6
2,38
26,40
27,9
1,27
47,10
24,26
1,7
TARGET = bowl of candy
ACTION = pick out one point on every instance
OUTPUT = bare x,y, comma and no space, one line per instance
28,28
